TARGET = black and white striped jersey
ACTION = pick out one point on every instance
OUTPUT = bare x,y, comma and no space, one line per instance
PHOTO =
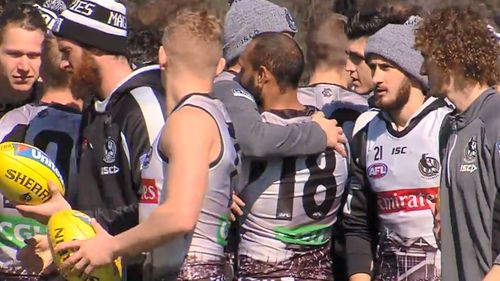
116,134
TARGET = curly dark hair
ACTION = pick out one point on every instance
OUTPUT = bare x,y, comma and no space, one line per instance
458,41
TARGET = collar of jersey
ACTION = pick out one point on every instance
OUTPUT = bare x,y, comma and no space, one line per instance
100,106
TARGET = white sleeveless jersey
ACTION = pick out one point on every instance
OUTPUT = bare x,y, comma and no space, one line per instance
209,237
291,203
403,169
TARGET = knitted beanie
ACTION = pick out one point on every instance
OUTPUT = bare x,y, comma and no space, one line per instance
395,42
248,18
101,24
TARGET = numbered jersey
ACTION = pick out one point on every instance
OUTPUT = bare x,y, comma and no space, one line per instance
54,129
403,170
291,203
206,244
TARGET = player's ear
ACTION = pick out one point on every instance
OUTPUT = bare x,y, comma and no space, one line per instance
263,75
220,66
162,57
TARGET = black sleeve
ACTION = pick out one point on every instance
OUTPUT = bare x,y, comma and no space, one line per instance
260,139
116,220
18,134
360,215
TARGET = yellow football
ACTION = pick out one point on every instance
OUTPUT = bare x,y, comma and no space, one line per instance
68,225
24,173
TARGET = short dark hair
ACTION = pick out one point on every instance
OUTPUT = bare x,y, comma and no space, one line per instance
367,23
143,45
364,24
281,55
24,15
53,76
327,42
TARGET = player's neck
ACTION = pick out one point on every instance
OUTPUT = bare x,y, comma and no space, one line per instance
178,87
401,116
329,76
463,97
281,100
61,96
10,96
113,73
236,68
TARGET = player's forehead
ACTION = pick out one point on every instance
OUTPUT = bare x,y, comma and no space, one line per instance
358,45
16,37
67,44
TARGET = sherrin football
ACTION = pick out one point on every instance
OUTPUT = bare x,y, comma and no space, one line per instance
68,225
24,173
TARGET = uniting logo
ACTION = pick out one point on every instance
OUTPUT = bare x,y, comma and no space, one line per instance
38,155
377,170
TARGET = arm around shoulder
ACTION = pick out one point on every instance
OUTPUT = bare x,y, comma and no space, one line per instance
260,139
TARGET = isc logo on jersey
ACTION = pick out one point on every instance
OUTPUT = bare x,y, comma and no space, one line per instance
377,170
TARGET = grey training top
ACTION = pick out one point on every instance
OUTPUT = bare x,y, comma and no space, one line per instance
258,138
470,203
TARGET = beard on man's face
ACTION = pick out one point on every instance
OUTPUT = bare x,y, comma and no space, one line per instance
85,80
251,87
402,97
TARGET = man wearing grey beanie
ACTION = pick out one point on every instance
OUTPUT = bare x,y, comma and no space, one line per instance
395,157
244,20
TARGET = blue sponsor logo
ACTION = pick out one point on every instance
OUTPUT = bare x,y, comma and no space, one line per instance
39,156
497,145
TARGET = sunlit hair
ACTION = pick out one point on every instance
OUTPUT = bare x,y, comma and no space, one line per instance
327,41
23,15
53,76
194,39
459,42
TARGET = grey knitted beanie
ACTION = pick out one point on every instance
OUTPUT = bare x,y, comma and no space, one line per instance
247,18
395,42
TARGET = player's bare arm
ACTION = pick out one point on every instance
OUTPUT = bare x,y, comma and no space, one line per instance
190,141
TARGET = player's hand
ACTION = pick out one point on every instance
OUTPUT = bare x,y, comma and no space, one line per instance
44,211
236,207
335,137
437,221
35,256
360,277
494,274
88,254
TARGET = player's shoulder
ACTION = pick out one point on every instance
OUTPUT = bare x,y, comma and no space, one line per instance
364,119
226,88
489,108
23,114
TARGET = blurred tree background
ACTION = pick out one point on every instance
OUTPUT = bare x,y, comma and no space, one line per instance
147,17
157,12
